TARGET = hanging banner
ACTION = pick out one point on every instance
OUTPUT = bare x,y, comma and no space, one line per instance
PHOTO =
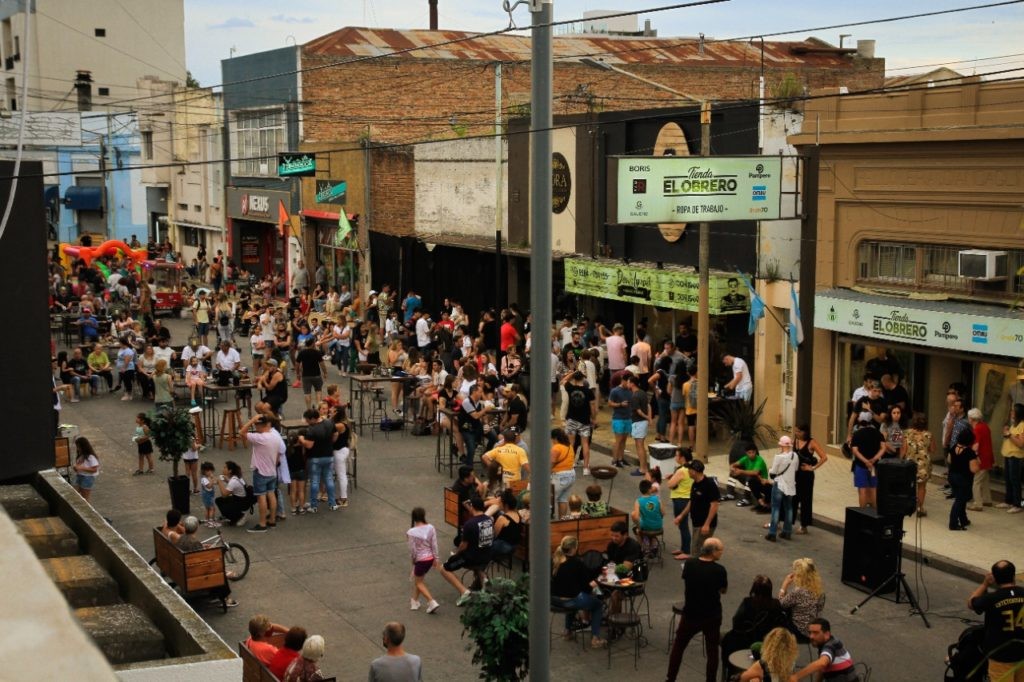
670,189
650,286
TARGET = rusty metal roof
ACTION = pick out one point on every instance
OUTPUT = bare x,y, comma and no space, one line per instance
365,42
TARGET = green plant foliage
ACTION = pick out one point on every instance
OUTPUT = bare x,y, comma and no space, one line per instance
497,619
743,421
172,432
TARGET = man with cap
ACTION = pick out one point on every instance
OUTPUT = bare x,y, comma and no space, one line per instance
195,349
275,389
88,327
783,473
702,507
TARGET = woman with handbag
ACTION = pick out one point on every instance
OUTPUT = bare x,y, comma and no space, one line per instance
783,473
963,463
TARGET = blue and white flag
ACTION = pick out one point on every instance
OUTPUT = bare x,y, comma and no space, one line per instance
796,327
756,305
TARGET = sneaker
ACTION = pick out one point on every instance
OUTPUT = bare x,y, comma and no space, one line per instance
213,524
1002,505
194,403
301,510
636,472
975,507
311,509
126,397
743,503
343,503
769,537
414,604
257,529
297,384
335,507
586,471
433,606
399,412
1014,510
281,517
463,599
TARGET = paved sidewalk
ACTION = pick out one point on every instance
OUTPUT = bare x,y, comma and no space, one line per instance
344,574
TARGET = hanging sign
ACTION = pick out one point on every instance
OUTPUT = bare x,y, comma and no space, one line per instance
295,164
331,192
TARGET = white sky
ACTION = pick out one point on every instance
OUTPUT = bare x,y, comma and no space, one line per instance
213,27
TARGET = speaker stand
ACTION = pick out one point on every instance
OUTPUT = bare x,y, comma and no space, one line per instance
897,580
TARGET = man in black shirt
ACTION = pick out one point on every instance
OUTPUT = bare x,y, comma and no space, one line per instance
867,446
581,414
312,369
1003,607
319,443
706,581
474,552
883,364
702,507
895,395
685,341
622,551
517,412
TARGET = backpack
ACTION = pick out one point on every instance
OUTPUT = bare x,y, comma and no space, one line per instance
965,659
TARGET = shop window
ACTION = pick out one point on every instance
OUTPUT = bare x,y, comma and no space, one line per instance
257,137
887,262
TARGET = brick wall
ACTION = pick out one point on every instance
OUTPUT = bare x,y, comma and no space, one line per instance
393,191
409,100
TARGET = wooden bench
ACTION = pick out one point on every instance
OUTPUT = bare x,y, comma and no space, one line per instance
193,572
253,670
591,532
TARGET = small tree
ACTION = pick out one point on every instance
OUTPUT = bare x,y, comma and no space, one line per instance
743,422
498,620
172,431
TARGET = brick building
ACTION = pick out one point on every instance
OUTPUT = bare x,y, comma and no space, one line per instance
381,110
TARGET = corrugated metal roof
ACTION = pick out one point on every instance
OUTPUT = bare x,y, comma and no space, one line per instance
364,42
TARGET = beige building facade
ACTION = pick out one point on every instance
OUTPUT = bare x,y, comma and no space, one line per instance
920,247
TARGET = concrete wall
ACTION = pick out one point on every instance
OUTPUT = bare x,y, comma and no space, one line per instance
455,188
64,41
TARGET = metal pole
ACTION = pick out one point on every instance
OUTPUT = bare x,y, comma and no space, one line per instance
703,306
499,175
540,356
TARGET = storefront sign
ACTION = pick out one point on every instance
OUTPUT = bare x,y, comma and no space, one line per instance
952,328
331,192
561,183
295,164
667,189
650,286
259,205
250,250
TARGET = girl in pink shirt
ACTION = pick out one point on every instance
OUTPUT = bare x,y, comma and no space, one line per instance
422,540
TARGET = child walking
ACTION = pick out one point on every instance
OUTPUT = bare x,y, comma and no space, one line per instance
143,443
422,540
209,493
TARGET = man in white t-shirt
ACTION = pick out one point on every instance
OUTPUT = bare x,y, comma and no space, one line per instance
266,448
164,352
194,349
741,383
227,358
424,331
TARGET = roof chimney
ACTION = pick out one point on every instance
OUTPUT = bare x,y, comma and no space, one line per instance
83,84
433,14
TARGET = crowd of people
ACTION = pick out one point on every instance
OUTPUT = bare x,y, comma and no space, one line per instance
457,375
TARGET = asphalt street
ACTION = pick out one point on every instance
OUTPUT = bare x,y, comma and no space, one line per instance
344,574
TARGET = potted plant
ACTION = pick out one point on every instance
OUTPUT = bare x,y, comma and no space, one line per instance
743,422
497,619
172,431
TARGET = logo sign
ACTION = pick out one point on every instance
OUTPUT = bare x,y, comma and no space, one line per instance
256,205
662,288
293,164
561,183
918,323
331,192
696,189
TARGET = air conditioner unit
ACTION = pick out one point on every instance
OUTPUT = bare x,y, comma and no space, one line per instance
982,265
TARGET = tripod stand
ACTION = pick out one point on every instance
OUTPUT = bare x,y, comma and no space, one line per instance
897,580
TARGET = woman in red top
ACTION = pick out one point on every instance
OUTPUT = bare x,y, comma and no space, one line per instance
983,447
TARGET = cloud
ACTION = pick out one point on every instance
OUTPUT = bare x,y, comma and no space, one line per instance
234,22
285,19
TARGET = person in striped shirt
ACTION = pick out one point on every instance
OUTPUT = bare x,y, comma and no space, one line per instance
834,662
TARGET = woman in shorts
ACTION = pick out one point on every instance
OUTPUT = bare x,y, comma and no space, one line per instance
563,474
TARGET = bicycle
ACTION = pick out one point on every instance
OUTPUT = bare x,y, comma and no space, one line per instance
236,557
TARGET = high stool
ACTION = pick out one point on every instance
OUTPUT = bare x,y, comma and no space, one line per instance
629,625
243,398
231,428
197,419
677,612
653,542
559,612
353,467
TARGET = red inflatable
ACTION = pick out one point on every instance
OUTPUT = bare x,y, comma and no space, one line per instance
107,248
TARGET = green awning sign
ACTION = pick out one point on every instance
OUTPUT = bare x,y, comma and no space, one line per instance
291,164
331,191
651,286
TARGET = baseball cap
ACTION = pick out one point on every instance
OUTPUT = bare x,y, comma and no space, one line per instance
697,465
272,362
785,440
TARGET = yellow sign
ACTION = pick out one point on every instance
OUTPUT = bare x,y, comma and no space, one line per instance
650,286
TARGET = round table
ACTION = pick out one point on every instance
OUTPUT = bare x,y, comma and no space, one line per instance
740,661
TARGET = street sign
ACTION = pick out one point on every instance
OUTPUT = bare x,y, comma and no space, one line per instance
668,189
331,192
295,164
